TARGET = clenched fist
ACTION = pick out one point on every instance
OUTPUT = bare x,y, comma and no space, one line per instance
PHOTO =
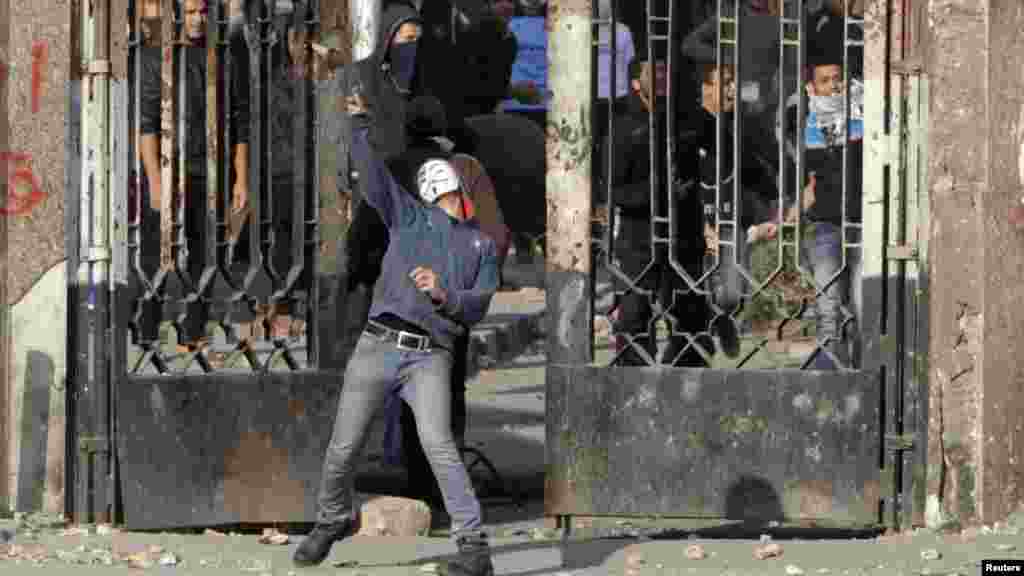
427,281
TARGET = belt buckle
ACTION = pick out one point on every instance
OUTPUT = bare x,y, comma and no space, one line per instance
402,335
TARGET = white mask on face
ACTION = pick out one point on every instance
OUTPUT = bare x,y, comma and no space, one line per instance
828,110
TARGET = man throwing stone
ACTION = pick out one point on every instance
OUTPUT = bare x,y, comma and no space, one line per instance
438,277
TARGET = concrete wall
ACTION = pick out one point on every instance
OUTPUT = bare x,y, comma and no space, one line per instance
38,64
976,442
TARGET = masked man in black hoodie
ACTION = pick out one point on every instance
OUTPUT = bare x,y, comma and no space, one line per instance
631,195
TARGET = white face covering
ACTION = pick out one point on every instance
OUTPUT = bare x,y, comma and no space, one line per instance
828,110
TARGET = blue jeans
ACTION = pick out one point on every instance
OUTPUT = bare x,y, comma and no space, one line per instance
823,256
379,368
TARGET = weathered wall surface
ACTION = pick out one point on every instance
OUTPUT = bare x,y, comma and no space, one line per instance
37,368
977,320
4,138
40,56
1002,479
957,177
37,70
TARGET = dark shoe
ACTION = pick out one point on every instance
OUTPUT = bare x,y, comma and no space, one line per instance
728,337
318,543
474,558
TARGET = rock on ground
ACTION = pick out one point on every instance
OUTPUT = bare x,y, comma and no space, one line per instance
394,516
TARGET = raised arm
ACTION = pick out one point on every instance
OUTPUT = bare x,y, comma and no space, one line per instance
395,206
468,307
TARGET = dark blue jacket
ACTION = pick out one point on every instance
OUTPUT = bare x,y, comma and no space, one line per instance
425,236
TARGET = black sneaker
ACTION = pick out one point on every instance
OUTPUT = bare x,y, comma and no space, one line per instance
317,545
728,337
474,558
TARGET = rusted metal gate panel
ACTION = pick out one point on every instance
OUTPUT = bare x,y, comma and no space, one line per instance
176,345
819,414
238,448
740,445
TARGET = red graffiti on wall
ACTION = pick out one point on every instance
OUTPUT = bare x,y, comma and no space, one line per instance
40,57
24,191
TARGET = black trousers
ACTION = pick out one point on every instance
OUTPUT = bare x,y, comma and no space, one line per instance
635,312
196,227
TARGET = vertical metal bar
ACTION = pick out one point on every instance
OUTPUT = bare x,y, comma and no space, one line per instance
94,271
83,415
123,150
257,168
895,269
568,181
609,167
179,241
737,139
225,138
266,194
595,59
917,359
302,114
310,223
218,150
74,359
801,141
168,129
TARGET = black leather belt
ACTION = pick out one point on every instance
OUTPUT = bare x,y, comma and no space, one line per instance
403,340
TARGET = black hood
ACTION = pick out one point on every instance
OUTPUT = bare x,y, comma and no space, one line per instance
391,19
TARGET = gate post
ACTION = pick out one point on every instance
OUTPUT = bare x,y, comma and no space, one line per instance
568,183
93,484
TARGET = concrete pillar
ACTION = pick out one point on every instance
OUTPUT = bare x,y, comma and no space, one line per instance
976,258
568,182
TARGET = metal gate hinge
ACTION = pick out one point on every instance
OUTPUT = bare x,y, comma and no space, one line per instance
900,443
94,445
901,252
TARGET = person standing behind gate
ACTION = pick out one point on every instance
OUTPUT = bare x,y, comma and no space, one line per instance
438,278
632,197
747,210
836,269
196,216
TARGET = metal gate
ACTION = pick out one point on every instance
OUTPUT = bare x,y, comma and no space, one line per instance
821,414
201,390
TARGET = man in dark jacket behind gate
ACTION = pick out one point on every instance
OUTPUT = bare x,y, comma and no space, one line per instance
196,215
632,198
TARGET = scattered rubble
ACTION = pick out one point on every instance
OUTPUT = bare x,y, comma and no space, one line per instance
272,536
695,552
105,530
765,551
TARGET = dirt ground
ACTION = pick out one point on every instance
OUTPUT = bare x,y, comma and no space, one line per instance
522,546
